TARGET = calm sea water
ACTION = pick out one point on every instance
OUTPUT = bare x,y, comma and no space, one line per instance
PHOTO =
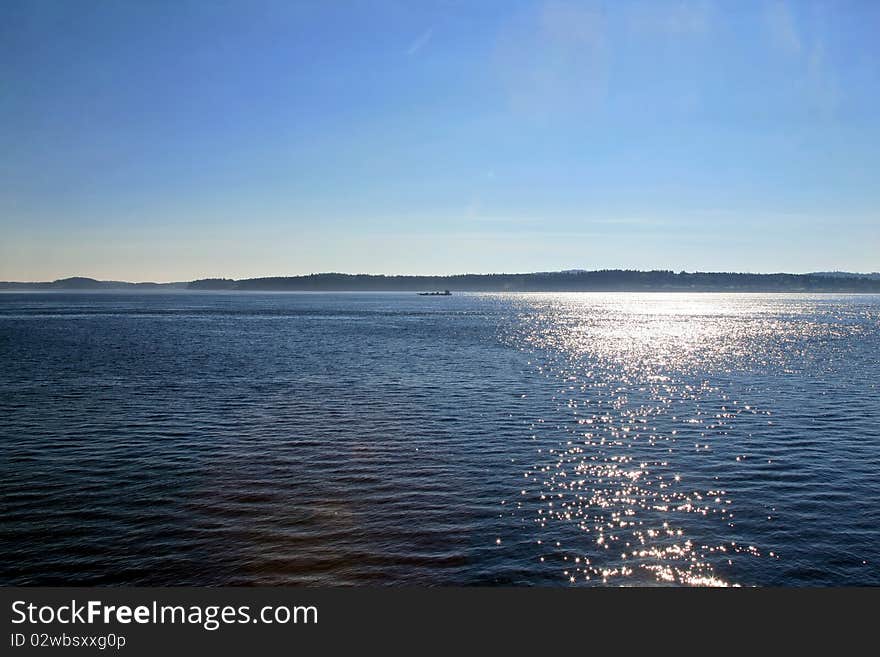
543,439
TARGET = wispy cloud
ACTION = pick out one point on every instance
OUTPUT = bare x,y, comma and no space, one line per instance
678,19
420,42
822,80
782,28
807,49
551,57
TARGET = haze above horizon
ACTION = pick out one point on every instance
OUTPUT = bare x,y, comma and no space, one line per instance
154,141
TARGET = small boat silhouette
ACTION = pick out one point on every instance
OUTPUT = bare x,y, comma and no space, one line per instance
444,293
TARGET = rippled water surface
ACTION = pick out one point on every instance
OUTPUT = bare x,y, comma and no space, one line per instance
571,439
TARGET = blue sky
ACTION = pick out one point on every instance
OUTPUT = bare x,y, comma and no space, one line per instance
173,140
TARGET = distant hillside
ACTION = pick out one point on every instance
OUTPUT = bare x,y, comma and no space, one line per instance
569,281
612,280
79,283
874,276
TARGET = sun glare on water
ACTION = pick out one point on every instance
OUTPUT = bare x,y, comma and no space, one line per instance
628,483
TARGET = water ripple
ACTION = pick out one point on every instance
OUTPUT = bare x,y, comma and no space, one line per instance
522,439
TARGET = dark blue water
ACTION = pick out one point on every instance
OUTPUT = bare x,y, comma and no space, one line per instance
544,439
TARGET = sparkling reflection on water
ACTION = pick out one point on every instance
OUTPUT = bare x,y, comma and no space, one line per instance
576,439
671,461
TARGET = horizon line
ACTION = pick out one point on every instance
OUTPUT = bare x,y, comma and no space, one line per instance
446,275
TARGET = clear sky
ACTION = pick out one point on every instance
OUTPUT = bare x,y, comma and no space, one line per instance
171,140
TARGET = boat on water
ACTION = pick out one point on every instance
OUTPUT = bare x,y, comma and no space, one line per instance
444,293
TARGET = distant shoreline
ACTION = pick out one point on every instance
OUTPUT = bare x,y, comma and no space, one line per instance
568,281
